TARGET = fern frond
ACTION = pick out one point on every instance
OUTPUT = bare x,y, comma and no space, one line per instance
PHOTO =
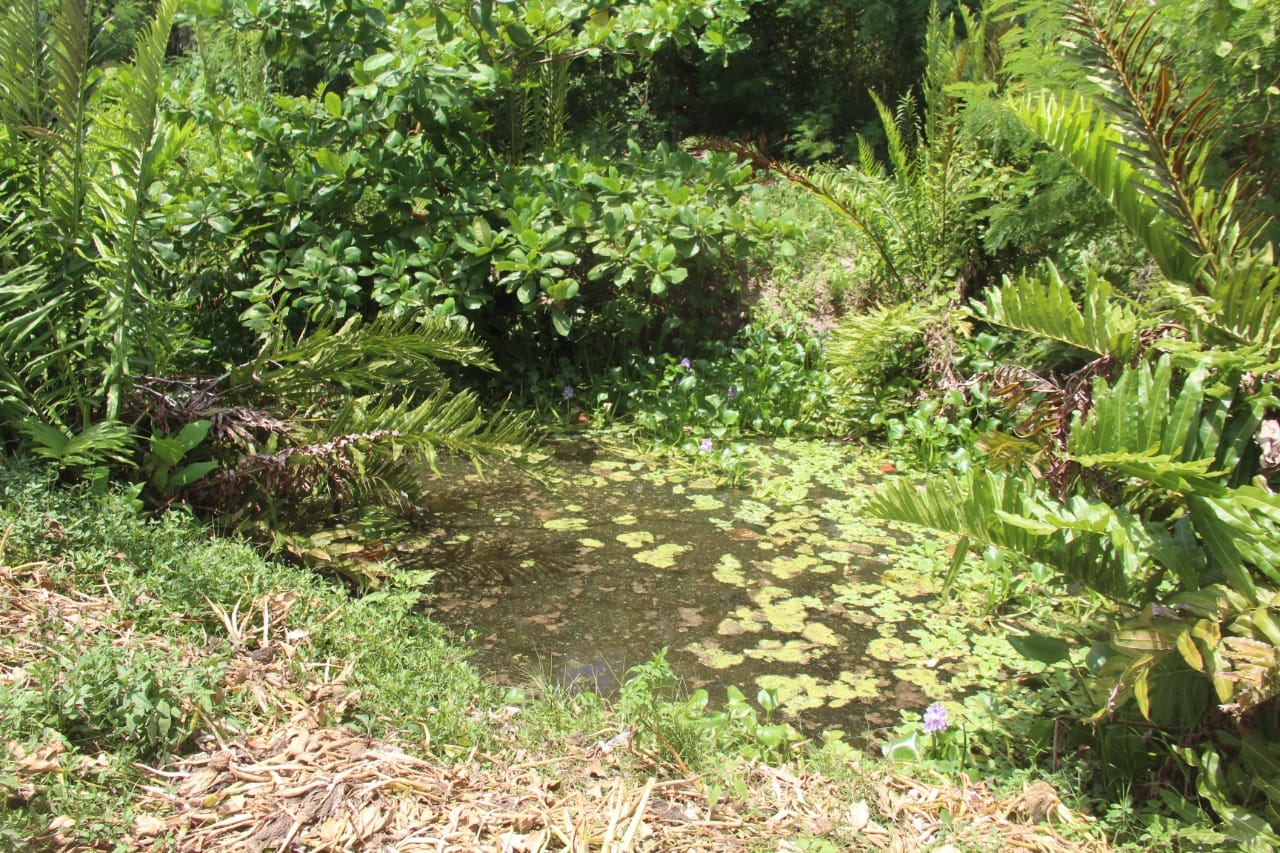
1044,306
860,346
898,146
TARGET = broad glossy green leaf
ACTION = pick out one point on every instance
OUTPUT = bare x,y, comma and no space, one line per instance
1046,650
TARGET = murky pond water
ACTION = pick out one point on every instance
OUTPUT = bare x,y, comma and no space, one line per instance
783,584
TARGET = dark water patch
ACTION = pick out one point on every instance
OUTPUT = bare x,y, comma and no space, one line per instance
783,585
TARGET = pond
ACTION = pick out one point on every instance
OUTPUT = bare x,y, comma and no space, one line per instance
782,583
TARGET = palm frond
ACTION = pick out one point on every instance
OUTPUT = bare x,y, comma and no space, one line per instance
358,358
102,441
1247,303
1148,423
453,422
1086,541
127,302
74,81
40,356
1142,413
23,54
1081,134
1167,131
859,198
1240,532
1044,306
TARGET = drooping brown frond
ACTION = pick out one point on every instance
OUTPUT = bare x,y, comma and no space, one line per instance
168,403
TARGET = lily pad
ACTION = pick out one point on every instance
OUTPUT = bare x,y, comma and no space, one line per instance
792,651
705,503
729,571
662,557
816,632
785,568
887,649
573,523
712,656
636,538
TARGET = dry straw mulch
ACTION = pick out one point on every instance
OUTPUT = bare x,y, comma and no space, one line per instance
327,789
308,785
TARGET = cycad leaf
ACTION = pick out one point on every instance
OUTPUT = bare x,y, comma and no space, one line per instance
1139,413
1143,425
1045,307
100,442
126,303
1247,296
1006,512
1081,134
360,358
1240,530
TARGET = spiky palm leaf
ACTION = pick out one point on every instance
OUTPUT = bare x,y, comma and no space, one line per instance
29,334
22,75
1085,540
1081,134
74,82
386,355
129,327
1168,130
1172,510
1045,306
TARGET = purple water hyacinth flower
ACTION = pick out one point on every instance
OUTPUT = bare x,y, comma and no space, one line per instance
686,364
705,446
935,718
732,393
568,392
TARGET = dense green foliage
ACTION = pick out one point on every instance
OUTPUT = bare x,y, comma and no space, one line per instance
1139,466
256,254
